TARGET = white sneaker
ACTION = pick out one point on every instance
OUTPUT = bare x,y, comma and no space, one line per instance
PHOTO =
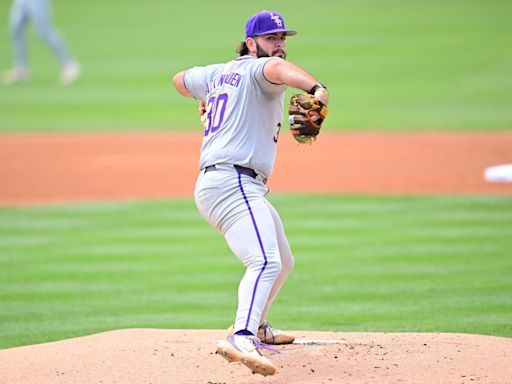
246,350
14,75
70,73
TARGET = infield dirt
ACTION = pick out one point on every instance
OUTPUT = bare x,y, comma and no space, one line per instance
43,168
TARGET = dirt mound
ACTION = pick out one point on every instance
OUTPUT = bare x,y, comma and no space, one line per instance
187,356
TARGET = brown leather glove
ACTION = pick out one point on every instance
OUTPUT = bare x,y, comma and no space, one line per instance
306,116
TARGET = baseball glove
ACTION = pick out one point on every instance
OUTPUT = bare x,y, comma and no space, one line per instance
306,115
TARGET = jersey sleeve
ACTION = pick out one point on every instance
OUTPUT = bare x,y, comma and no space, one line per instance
266,85
196,80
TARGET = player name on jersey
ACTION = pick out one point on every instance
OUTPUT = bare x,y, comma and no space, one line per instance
231,78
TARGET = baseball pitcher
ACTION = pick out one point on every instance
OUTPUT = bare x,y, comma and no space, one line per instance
241,103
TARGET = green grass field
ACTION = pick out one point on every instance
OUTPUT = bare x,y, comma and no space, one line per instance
389,64
440,264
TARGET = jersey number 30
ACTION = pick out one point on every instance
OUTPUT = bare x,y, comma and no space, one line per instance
215,113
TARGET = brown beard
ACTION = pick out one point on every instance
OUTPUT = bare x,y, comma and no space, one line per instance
261,53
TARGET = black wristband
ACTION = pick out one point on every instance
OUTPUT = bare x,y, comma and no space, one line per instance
315,87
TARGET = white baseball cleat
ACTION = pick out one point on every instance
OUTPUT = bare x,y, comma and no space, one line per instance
14,75
246,350
269,335
70,73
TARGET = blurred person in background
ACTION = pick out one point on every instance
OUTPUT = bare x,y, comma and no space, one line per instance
39,12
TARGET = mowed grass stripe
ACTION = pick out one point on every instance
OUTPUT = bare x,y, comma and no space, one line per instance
362,264
407,261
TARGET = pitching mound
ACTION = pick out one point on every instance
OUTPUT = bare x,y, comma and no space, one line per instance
188,356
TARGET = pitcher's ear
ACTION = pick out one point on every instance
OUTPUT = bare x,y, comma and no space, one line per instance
251,45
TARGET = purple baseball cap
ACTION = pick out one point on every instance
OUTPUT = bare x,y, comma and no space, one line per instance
265,22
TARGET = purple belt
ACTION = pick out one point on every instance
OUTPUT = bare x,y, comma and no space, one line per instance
241,170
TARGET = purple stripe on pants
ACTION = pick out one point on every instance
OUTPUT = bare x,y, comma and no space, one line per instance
261,247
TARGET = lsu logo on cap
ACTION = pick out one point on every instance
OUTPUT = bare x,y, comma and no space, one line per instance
276,19
265,22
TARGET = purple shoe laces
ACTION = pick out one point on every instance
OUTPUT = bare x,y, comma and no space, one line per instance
260,345
267,327
257,343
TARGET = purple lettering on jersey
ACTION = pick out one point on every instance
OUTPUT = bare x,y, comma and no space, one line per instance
232,78
235,81
215,113
220,108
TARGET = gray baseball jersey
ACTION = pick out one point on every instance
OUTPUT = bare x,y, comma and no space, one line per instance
244,113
